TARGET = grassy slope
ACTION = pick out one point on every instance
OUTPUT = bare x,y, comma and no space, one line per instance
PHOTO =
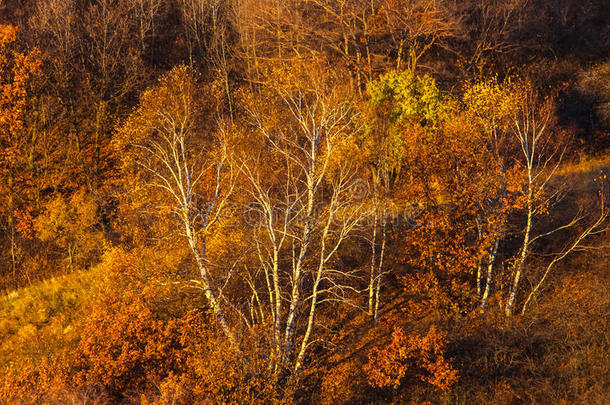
43,319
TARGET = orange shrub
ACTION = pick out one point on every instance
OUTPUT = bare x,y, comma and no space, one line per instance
341,385
418,356
131,353
124,347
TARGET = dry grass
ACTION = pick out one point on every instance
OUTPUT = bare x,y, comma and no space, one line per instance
584,173
39,321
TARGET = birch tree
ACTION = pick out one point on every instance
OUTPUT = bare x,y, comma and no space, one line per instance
598,225
401,106
382,153
166,149
304,207
491,105
540,154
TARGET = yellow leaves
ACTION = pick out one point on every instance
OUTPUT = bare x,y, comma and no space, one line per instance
412,98
492,103
8,34
70,223
170,106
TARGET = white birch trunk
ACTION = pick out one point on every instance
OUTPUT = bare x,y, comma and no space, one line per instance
522,256
372,277
312,184
206,283
490,266
314,302
380,273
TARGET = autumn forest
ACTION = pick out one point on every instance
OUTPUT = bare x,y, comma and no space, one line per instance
304,201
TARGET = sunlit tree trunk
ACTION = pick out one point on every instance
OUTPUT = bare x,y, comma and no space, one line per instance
379,276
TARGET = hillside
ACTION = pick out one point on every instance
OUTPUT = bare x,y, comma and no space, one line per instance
558,352
304,201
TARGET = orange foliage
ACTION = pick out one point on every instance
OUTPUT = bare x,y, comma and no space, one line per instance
445,172
124,345
34,384
340,385
16,185
423,357
444,296
136,342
